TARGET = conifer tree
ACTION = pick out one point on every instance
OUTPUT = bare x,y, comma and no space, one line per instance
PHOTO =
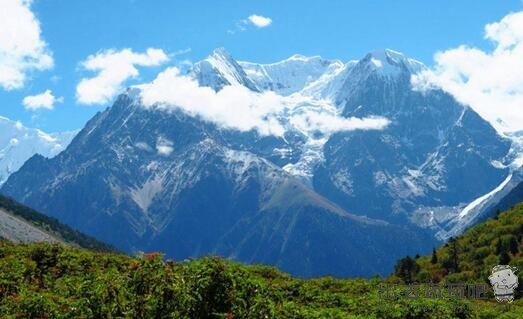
434,259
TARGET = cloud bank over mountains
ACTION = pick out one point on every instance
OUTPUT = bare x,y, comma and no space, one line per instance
237,107
112,69
491,82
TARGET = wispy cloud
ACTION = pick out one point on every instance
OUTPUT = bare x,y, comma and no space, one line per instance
180,52
267,113
491,81
113,69
44,100
252,20
22,48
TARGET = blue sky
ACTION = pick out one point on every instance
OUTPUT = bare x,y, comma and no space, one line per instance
345,30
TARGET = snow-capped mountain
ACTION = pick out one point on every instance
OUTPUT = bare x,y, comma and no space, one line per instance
188,181
504,196
219,69
435,157
143,179
291,75
18,143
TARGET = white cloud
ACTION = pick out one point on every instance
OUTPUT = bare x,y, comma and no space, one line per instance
328,123
491,82
254,19
259,21
44,100
164,146
239,108
22,48
114,68
251,111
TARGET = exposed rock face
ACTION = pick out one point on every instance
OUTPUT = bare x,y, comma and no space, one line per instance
349,203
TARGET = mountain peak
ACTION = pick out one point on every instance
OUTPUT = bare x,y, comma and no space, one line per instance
220,53
291,75
220,69
303,58
390,62
298,57
385,54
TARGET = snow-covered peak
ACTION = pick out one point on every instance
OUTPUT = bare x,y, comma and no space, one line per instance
322,78
220,69
378,66
310,75
389,62
306,59
385,54
225,64
330,82
299,57
18,143
290,75
221,53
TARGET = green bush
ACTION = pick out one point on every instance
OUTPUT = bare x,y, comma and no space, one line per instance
53,281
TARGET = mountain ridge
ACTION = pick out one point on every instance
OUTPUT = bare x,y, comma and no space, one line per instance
204,197
20,224
145,177
18,143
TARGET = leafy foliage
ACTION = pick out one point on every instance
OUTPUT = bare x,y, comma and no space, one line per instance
53,281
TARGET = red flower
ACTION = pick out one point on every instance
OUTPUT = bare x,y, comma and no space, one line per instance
55,271
151,256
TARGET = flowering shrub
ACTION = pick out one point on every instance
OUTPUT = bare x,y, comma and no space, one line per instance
54,281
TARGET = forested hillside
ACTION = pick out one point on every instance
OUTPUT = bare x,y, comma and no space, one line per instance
471,256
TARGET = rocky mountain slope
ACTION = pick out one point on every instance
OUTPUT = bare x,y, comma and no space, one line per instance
324,194
434,158
176,184
20,224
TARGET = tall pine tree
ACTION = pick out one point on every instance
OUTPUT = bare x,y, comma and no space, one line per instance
452,263
434,259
